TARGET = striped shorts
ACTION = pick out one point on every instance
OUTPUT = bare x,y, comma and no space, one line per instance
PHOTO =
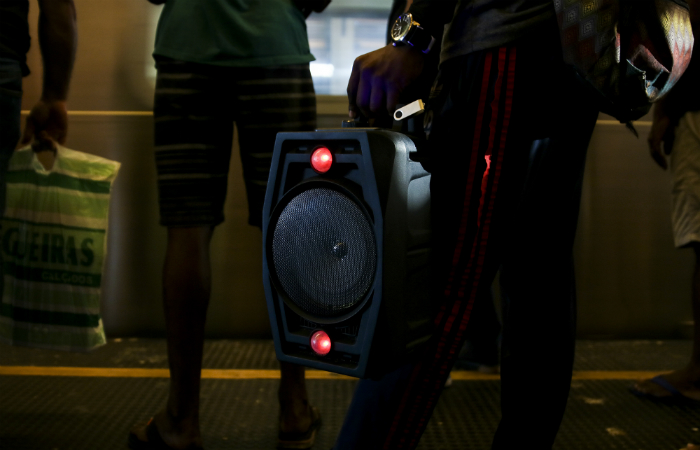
195,108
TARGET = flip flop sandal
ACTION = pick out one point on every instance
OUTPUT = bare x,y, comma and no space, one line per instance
676,397
154,442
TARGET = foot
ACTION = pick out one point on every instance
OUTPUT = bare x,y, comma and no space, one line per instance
298,425
686,381
448,382
296,416
162,430
479,356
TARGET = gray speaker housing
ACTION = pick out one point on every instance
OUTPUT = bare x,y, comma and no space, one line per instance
382,170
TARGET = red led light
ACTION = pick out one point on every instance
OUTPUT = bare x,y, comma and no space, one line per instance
321,160
320,343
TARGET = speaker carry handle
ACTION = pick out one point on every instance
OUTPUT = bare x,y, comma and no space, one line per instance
408,120
405,122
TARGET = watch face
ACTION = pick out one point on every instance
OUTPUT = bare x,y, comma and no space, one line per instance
401,27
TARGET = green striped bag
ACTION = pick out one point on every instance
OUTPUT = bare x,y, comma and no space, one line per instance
53,240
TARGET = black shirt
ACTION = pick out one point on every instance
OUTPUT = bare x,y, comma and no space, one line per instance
473,25
14,31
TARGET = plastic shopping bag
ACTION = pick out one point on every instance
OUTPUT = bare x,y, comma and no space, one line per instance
53,246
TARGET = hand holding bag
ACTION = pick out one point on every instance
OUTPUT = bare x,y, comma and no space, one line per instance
53,248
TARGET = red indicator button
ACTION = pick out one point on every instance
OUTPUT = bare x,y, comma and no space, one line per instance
320,343
321,160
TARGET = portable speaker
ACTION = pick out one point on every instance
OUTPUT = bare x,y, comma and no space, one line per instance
346,242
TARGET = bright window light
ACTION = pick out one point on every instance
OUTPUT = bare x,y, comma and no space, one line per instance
341,33
319,70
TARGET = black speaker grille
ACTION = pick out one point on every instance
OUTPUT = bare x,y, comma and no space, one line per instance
324,252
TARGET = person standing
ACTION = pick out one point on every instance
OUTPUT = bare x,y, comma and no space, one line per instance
220,62
507,155
47,121
58,39
674,138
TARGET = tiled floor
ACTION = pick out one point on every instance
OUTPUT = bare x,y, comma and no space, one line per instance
89,411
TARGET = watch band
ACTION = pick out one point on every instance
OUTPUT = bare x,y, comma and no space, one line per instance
416,36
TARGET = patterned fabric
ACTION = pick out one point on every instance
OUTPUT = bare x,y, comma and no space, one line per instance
468,256
630,51
195,108
53,250
685,180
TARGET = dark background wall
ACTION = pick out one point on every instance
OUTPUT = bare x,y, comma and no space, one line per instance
631,281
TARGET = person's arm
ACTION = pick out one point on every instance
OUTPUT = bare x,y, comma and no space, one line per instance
433,14
661,134
667,111
58,36
380,77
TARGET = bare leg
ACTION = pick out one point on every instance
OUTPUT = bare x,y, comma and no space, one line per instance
687,379
295,411
186,291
